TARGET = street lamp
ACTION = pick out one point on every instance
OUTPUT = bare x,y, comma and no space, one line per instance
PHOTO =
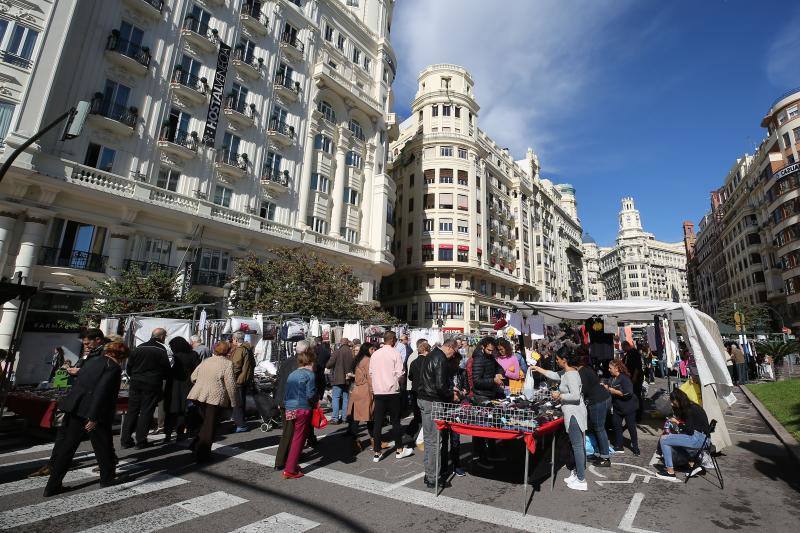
243,281
226,297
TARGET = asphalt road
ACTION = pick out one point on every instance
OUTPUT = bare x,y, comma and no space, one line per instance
240,491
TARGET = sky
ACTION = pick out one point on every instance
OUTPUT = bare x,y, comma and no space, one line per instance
646,98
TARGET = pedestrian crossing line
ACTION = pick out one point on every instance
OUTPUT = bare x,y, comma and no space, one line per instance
33,483
49,447
39,461
86,500
279,523
171,515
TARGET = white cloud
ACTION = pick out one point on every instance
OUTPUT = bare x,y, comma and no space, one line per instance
782,55
531,60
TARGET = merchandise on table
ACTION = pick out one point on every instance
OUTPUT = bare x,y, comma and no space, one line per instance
514,414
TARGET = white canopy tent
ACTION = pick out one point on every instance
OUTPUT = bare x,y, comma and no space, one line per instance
703,337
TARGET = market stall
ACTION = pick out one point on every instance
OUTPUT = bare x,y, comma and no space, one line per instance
39,407
701,334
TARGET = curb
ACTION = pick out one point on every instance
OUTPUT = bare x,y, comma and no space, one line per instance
792,446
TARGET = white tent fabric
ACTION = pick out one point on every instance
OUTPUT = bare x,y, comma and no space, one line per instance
703,336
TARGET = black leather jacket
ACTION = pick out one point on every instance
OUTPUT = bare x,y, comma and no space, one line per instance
484,369
434,383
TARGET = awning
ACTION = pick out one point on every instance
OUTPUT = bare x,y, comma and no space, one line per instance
445,246
427,247
462,248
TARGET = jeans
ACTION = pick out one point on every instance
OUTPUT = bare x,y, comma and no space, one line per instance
597,414
689,444
429,433
578,442
387,403
302,423
340,392
741,372
630,421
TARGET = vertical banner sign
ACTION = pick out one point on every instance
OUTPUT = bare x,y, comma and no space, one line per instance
188,271
217,90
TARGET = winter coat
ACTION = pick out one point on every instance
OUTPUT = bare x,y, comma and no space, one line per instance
340,362
94,395
244,363
482,373
214,383
179,383
361,400
148,366
434,383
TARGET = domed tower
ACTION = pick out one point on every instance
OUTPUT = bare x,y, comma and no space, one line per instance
568,201
630,223
444,102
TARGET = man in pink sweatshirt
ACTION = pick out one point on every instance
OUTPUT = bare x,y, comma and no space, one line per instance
385,371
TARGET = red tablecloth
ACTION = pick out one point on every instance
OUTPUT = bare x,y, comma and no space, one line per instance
503,434
40,410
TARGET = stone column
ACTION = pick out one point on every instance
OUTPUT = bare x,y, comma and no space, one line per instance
7,222
117,248
304,188
367,221
32,238
338,186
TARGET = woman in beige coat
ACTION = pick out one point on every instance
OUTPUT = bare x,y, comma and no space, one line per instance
359,407
214,388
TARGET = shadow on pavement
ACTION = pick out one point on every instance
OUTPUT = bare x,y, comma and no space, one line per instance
774,461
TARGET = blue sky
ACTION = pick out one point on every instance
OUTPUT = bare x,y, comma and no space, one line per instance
650,99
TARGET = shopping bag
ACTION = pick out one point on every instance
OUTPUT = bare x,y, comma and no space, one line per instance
591,444
693,391
318,419
529,389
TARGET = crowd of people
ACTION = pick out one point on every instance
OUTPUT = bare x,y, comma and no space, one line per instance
370,383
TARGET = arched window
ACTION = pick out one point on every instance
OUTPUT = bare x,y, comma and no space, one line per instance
356,129
327,111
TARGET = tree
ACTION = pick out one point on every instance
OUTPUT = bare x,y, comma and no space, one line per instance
778,350
299,281
756,317
132,292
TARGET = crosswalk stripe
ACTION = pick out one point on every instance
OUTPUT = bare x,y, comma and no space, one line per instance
170,515
39,461
33,483
49,447
86,500
279,523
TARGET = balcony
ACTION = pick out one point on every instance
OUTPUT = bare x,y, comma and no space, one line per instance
189,86
254,19
149,8
347,86
76,259
247,65
286,88
199,34
148,267
112,116
231,164
210,278
132,57
14,59
292,47
275,180
181,144
280,132
238,112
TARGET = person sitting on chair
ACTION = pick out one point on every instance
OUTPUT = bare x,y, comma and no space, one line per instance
693,425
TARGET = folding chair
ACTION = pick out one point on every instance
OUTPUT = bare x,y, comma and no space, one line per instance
697,459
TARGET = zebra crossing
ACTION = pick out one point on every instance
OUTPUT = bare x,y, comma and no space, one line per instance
156,519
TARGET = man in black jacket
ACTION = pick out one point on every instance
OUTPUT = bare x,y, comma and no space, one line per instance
147,369
485,378
89,407
93,340
434,385
633,362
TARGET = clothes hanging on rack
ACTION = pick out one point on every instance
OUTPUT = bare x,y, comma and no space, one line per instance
337,334
315,328
201,324
109,326
352,330
536,327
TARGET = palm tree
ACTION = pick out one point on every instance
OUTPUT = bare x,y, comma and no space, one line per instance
777,349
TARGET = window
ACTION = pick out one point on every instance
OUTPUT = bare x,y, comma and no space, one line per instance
434,110
324,143
327,111
356,129
787,142
247,49
411,180
230,148
463,202
201,19
353,159
356,55
410,228
6,112
463,226
445,175
410,205
429,201
157,251
191,71
430,176
267,210
328,33
446,110
340,41
478,206
463,255
284,76
115,100
427,225
17,41
796,132
168,178
446,151
444,281
367,63
446,225
446,200
177,130
408,255
462,153
350,235
222,196
792,112
317,224
478,231
237,98
427,254
352,3
350,196
458,112
445,254
319,183
100,157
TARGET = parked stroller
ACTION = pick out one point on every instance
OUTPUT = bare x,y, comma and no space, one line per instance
266,403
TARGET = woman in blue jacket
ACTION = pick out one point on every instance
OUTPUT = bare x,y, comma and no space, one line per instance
299,400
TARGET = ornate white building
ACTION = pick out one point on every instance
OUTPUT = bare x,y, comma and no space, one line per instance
217,128
475,229
639,266
593,279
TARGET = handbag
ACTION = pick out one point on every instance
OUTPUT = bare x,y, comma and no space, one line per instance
318,419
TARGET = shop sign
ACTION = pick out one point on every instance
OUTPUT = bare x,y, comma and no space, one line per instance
785,171
217,90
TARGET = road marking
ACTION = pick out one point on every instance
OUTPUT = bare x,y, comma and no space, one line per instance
746,434
86,500
49,447
594,471
171,515
405,481
626,524
646,477
31,463
33,483
279,523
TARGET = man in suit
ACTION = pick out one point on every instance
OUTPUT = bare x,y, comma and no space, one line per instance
148,367
89,408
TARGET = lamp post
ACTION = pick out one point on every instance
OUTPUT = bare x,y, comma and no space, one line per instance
226,298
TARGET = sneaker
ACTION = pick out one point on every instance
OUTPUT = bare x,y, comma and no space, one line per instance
662,473
636,452
241,429
460,472
576,484
403,453
619,451
696,471
376,457
605,463
572,477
